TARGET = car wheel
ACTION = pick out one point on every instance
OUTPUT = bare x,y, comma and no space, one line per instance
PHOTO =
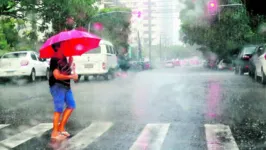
108,76
32,76
86,78
256,75
240,71
263,77
95,77
47,74
250,73
236,70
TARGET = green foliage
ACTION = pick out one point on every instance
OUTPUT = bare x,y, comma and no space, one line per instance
9,31
8,34
3,42
57,13
10,8
49,11
116,22
223,33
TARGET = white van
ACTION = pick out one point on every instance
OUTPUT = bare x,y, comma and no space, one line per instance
99,61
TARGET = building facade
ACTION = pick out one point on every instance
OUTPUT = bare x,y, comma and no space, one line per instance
164,20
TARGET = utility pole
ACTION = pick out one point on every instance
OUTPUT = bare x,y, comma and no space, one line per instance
160,47
149,22
139,47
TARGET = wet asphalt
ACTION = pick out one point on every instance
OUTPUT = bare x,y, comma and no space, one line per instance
184,97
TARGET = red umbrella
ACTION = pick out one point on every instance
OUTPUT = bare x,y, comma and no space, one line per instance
73,42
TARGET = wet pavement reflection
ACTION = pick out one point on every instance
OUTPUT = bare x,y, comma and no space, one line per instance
184,98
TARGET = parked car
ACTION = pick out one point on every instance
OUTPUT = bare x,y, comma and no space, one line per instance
147,65
176,62
169,64
241,64
23,64
224,64
258,64
212,64
101,61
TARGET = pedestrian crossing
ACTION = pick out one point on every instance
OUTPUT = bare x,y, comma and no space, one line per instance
158,132
151,137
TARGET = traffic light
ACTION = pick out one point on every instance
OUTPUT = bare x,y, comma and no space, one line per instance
213,7
139,14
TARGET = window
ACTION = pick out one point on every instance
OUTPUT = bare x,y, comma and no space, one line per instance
95,51
15,55
260,50
249,50
38,57
111,50
33,56
108,49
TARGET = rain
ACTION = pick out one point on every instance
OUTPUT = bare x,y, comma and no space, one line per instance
132,75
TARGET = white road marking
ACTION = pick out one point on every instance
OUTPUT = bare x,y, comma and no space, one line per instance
26,135
219,137
88,135
151,137
3,125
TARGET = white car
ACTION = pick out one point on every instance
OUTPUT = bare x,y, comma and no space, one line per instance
223,64
169,64
23,64
99,61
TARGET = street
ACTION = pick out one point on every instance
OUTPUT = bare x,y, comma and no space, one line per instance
185,108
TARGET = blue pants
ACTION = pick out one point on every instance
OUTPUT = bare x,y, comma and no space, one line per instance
61,96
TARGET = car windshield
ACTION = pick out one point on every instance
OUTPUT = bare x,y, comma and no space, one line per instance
14,55
249,50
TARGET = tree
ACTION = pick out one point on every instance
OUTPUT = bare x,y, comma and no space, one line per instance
69,13
221,34
17,8
4,46
116,26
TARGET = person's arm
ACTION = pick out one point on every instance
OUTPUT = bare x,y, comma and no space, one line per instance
70,60
59,76
56,73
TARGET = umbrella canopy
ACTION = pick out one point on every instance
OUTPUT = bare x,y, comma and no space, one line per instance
73,43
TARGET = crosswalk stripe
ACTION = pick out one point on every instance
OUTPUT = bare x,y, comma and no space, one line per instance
88,135
3,125
219,136
151,137
26,135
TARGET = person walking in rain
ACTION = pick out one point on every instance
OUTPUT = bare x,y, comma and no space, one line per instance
59,81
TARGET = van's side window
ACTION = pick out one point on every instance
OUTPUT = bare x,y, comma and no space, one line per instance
115,52
108,49
112,50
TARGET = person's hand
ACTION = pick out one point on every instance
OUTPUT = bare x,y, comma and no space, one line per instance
70,60
75,77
